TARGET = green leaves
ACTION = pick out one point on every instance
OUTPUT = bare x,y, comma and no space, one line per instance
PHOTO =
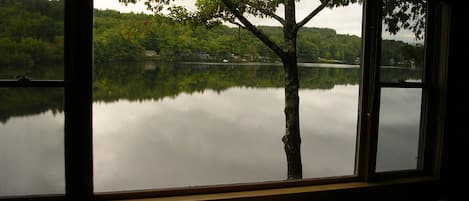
31,33
152,5
113,46
405,14
339,3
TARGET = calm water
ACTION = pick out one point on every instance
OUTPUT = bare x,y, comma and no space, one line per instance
171,125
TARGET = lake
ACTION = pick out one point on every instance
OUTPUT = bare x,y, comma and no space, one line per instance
161,125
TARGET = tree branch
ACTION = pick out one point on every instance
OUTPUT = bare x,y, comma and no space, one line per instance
253,29
311,15
266,12
238,24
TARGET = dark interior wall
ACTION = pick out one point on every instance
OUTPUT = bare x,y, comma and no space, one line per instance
455,158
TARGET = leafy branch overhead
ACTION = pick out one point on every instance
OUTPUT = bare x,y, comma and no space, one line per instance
213,12
210,11
397,14
405,14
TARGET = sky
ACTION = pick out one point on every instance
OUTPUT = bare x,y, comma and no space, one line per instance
345,20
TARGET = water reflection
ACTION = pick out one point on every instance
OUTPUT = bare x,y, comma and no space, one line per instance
31,141
219,138
169,125
32,155
399,129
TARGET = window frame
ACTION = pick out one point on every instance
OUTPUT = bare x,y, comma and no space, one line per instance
433,87
78,100
77,84
423,85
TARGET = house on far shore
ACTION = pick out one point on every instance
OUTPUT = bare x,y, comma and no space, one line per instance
150,53
357,61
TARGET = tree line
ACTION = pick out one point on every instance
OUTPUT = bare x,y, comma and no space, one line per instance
32,33
124,36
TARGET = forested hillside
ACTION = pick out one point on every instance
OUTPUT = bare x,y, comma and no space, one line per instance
124,36
31,33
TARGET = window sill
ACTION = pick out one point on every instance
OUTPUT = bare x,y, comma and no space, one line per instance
402,189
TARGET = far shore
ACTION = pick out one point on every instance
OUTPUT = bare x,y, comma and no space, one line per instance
327,65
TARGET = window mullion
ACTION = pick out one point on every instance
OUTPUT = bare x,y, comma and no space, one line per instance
38,83
78,63
436,58
369,91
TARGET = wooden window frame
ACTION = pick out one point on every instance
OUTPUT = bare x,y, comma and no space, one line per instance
365,184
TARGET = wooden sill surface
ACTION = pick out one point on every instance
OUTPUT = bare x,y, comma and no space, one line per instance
290,191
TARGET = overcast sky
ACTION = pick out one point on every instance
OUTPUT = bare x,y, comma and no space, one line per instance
345,20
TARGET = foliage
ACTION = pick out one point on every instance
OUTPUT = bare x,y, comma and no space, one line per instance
174,40
397,53
405,14
31,33
114,46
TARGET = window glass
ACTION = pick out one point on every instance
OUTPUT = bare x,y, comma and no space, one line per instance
402,47
32,39
31,141
328,115
402,61
178,105
399,129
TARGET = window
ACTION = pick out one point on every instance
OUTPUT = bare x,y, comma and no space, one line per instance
32,120
76,88
402,87
205,106
32,143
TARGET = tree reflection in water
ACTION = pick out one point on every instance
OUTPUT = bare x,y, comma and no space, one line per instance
165,124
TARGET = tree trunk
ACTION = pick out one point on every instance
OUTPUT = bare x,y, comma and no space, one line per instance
292,139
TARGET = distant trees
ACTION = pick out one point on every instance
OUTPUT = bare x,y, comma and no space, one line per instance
114,46
31,32
27,52
173,40
398,53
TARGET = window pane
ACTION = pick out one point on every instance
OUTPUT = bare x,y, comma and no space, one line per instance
402,47
31,141
32,39
399,129
224,122
328,115
178,105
